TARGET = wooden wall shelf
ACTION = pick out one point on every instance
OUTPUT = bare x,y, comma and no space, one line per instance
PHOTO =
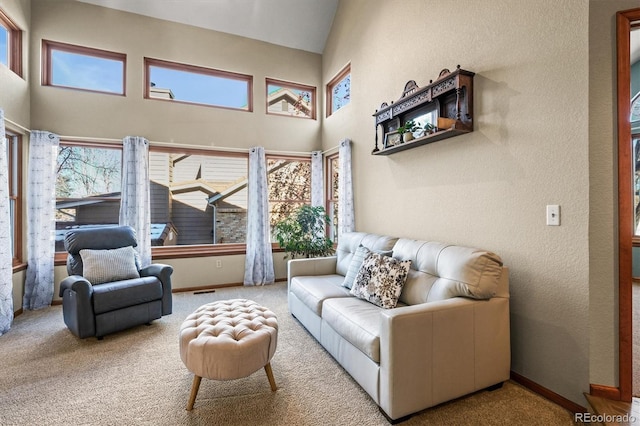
448,99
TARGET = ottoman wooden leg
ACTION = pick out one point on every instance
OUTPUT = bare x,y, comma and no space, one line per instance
194,392
272,381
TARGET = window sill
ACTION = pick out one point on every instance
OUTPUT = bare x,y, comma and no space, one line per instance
182,252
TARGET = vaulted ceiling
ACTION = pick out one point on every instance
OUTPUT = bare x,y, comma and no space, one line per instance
299,24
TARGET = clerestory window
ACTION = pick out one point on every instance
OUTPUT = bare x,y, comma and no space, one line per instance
83,68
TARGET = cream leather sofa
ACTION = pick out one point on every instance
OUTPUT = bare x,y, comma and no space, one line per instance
448,336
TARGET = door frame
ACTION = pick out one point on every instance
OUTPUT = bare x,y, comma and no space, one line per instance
624,23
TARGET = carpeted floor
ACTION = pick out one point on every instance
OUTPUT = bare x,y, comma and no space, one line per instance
136,377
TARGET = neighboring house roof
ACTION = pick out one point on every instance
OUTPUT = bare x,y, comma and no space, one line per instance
289,96
241,184
70,203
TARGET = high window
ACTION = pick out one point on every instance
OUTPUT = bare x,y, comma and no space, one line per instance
14,160
83,68
171,81
339,90
289,185
10,44
332,168
290,99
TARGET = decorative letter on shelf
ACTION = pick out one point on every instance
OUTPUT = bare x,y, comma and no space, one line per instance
440,110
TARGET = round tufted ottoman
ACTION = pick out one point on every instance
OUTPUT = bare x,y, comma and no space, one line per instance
226,340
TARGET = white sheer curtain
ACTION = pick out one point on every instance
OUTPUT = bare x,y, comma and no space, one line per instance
258,268
135,204
6,235
346,216
41,222
317,179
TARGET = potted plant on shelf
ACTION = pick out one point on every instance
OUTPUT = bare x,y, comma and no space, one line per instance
303,233
407,129
429,128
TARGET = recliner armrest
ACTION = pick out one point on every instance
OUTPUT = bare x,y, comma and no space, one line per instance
78,284
163,273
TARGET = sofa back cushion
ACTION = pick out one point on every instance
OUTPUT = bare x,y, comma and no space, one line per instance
350,241
441,271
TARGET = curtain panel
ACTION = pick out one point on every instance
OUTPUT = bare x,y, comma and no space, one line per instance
346,216
317,179
41,220
135,201
258,269
6,236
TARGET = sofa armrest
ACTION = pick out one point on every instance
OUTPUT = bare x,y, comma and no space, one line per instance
312,266
163,273
434,352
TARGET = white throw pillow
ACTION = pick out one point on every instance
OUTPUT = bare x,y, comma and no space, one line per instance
380,280
103,266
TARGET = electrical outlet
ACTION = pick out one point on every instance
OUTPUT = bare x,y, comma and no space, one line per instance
218,263
553,215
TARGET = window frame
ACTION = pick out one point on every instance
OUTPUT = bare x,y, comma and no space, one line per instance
14,43
332,84
294,86
211,72
48,46
332,229
14,163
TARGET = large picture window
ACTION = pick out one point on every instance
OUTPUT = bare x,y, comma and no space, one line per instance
10,44
171,81
198,196
14,160
83,68
88,187
290,99
339,91
289,185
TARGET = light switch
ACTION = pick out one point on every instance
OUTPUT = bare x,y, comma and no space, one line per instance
553,215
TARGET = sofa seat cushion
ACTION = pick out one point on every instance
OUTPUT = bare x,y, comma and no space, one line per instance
121,294
313,290
357,321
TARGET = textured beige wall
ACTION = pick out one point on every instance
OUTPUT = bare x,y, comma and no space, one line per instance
489,188
196,272
75,113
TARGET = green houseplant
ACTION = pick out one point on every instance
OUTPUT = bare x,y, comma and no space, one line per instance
303,233
407,129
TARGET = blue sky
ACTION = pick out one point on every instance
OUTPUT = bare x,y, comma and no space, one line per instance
199,88
4,35
86,72
93,73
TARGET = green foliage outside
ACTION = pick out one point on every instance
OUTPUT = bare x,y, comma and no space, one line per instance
302,233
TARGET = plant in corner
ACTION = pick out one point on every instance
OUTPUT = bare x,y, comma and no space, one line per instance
303,233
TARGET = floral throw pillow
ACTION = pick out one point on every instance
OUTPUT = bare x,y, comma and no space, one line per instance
380,280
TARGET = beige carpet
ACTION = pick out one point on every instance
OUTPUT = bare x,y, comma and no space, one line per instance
49,377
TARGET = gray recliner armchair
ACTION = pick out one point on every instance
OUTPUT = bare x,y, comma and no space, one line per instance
106,290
